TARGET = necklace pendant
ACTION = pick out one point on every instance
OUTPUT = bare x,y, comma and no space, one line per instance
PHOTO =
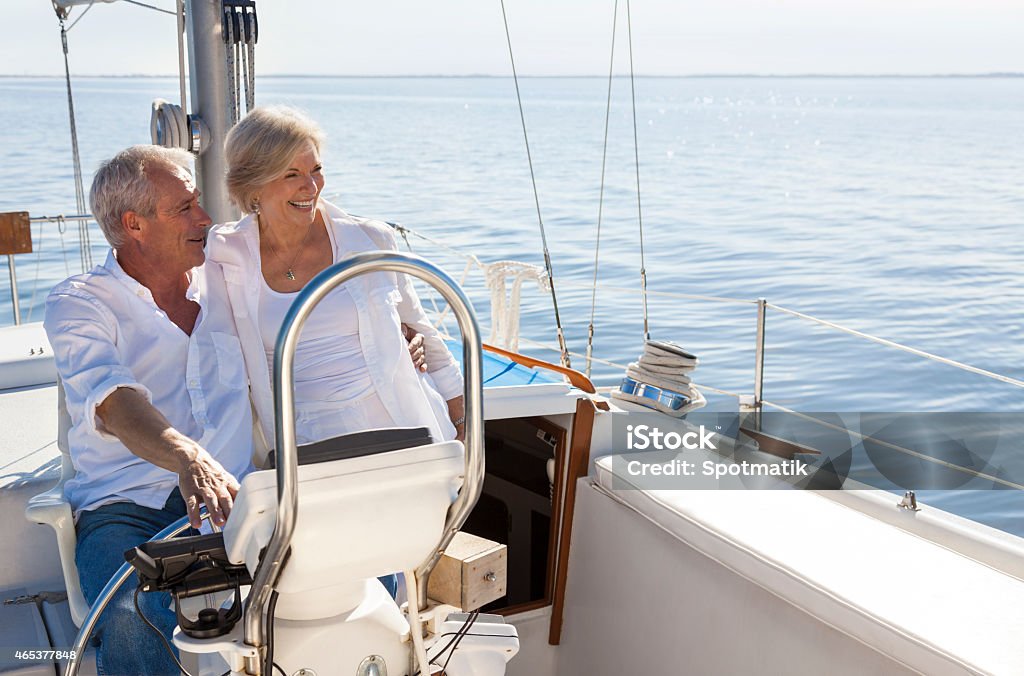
290,274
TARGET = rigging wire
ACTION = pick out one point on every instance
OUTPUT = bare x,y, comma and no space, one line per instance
80,16
600,200
35,282
152,7
636,156
536,198
180,18
85,246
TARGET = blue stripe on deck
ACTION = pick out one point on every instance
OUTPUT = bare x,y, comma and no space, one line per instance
502,372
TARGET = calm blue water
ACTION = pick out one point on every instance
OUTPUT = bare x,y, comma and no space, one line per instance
890,205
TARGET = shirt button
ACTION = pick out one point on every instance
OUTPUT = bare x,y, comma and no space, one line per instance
193,383
140,293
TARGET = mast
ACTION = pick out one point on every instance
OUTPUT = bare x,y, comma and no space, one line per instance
211,103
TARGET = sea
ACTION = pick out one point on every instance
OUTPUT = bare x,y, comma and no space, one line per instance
892,206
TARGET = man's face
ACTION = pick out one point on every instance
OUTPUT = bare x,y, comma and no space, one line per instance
176,234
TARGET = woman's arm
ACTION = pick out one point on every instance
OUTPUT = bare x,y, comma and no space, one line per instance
442,366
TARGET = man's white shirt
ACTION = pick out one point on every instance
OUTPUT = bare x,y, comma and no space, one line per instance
107,332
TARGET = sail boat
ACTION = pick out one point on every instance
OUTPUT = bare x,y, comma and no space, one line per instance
607,574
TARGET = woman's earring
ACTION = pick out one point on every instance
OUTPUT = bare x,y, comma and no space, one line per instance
256,207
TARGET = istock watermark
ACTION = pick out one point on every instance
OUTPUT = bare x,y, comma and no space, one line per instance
821,451
644,437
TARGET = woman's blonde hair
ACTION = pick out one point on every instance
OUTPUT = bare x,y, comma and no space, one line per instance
260,148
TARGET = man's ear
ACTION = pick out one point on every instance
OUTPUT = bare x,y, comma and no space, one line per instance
131,221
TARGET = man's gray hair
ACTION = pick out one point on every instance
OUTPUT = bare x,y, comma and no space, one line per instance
121,185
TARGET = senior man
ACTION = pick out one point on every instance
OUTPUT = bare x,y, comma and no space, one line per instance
161,421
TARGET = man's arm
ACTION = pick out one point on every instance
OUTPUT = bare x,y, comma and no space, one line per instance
416,351
457,414
144,431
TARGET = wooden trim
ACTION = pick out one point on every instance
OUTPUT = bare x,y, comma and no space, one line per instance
576,379
579,460
556,502
521,607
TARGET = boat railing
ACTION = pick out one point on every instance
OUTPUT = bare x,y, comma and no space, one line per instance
756,399
61,220
762,305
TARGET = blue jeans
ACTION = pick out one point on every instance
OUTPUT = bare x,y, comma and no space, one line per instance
127,646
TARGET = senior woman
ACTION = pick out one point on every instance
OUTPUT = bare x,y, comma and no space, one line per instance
352,369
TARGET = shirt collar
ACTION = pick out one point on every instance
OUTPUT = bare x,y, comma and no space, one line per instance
117,272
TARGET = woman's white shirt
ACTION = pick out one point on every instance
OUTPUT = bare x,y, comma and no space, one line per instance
382,301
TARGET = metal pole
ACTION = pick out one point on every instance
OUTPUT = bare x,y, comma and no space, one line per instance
210,102
759,355
269,569
14,290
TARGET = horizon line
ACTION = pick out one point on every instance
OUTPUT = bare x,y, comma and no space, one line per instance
993,74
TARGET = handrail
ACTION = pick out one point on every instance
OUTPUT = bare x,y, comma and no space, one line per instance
60,217
107,593
269,569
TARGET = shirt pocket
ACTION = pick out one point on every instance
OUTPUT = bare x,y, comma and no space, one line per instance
230,365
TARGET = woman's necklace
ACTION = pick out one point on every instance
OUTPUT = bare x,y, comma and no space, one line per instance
290,274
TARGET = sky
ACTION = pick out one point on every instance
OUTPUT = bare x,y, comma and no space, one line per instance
549,37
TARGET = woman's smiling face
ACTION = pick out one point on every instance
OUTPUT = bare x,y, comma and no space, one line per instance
289,201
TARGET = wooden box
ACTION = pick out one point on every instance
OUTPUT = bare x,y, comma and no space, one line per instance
470,574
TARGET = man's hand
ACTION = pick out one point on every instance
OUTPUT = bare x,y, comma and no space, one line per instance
203,481
416,350
144,431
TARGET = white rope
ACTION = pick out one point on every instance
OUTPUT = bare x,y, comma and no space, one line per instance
250,84
229,49
168,125
505,304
